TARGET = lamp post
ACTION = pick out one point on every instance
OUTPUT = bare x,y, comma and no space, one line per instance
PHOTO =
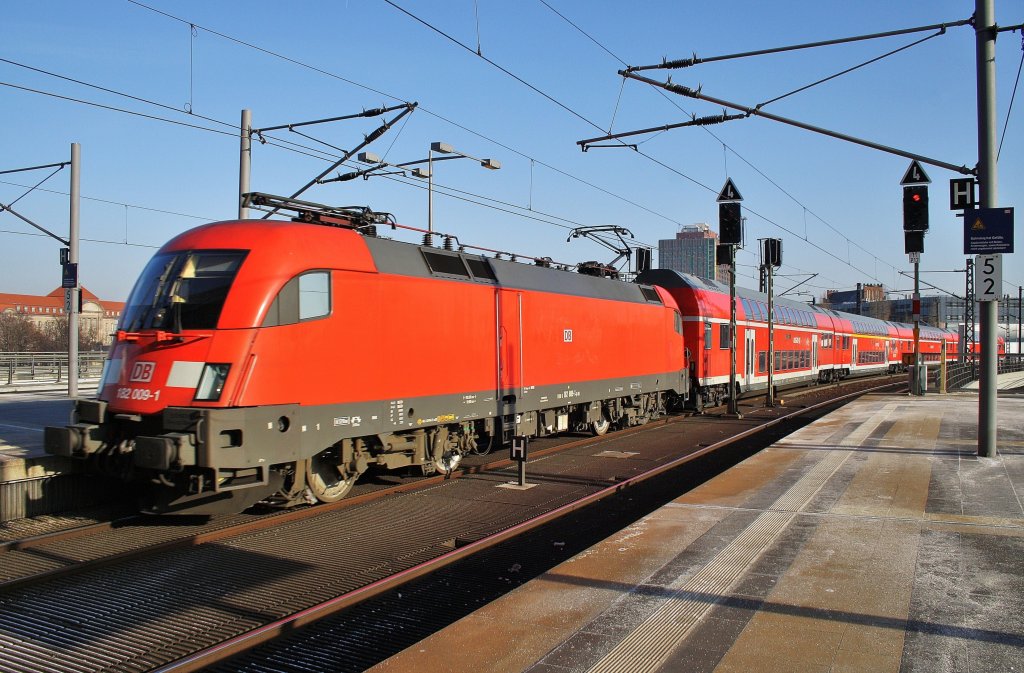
439,147
444,148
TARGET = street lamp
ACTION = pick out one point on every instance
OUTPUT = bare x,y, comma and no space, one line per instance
428,173
444,148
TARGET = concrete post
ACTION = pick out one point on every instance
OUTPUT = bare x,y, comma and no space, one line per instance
73,237
244,163
985,40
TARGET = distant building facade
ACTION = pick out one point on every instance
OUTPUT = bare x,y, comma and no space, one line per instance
691,251
98,315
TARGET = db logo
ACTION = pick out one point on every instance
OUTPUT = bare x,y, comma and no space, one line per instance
142,372
567,335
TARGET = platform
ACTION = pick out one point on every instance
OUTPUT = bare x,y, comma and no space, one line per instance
871,540
32,482
1005,381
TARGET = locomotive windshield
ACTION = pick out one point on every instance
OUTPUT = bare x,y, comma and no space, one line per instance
182,290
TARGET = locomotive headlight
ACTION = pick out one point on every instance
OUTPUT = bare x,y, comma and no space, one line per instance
211,382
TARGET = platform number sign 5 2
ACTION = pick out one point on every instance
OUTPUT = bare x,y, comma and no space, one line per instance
988,280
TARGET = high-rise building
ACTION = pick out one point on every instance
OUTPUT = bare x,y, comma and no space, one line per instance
691,251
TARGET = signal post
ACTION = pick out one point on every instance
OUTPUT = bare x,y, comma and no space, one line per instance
915,225
730,234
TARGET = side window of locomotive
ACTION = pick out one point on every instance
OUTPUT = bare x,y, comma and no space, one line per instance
679,322
305,297
314,295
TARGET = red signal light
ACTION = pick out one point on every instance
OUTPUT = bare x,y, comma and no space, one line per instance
915,208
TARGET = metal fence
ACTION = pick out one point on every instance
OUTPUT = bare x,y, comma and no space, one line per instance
959,374
47,367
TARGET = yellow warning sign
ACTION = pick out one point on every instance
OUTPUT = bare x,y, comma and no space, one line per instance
978,225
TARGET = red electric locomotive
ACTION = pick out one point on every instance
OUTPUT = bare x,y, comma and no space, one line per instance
279,359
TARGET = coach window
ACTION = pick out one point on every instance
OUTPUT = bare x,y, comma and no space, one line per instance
723,336
707,336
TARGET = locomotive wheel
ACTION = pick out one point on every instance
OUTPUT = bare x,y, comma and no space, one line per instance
600,427
328,481
448,461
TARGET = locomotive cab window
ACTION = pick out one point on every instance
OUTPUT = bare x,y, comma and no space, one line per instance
182,290
304,297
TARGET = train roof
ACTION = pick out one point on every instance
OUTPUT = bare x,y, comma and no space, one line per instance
671,279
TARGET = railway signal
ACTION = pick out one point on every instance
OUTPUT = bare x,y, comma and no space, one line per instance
913,242
771,258
915,225
730,215
730,234
915,208
730,227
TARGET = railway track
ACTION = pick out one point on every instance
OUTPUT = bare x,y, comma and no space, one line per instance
229,584
61,547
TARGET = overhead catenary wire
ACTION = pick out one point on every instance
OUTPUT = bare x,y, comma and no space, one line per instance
233,135
940,30
726,146
1013,95
851,69
421,108
37,185
508,208
85,240
134,206
325,72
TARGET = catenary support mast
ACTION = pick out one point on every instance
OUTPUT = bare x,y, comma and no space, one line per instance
985,31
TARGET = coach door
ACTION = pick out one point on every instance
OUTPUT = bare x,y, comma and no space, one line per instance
751,355
814,353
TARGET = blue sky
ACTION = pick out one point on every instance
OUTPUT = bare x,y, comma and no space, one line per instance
837,206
